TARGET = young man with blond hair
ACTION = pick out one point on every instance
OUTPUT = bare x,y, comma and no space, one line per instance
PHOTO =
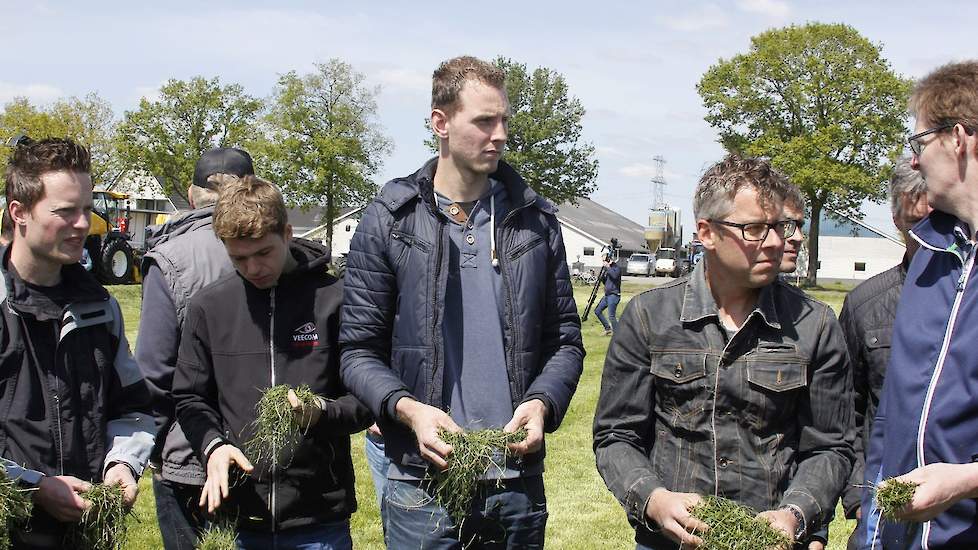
272,321
76,409
459,314
925,427
183,257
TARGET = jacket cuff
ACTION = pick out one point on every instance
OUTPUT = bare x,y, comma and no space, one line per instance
24,476
637,499
214,444
806,505
550,420
390,403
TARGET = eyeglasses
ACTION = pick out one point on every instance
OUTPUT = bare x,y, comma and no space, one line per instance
916,146
757,231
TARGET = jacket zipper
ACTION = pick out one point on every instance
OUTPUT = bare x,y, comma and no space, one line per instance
938,368
57,403
434,314
271,358
510,315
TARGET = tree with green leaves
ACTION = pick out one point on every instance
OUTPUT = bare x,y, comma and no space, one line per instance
820,101
322,142
544,142
165,136
89,121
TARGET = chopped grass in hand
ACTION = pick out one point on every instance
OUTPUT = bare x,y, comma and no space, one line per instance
472,456
15,507
219,535
736,527
892,495
275,424
103,526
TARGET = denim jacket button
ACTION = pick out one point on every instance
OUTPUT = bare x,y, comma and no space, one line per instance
679,371
722,462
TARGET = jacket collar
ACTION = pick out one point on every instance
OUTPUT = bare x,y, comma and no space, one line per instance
20,298
185,223
421,185
698,302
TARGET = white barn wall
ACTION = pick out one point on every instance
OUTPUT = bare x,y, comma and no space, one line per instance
838,256
574,245
342,235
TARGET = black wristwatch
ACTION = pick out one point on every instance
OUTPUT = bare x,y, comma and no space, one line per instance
799,520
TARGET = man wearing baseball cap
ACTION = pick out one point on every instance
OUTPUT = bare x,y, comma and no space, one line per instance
184,256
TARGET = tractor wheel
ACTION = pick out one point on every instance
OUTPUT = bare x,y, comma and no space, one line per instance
115,267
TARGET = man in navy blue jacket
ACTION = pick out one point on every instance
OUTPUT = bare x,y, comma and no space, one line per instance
459,314
927,421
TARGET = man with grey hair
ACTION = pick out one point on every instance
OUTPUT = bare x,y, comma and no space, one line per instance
184,256
738,384
794,210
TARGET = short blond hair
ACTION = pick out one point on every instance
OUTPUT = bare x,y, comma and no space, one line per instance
249,208
451,76
948,96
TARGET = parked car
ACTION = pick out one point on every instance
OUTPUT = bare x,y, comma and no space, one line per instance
640,264
667,263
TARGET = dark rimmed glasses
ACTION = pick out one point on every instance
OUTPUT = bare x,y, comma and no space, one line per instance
757,231
916,146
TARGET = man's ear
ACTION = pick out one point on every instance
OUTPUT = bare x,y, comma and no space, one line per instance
965,141
18,212
706,234
439,123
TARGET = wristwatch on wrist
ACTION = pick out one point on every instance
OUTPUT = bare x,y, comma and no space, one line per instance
799,521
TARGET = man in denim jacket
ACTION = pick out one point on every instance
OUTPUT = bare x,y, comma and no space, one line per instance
728,382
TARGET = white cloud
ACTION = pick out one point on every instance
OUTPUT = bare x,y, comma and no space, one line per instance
404,79
637,170
707,16
774,8
36,93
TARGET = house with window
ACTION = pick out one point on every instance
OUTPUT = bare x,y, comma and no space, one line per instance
852,251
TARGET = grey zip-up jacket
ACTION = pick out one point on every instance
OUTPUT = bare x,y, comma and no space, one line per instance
764,419
189,256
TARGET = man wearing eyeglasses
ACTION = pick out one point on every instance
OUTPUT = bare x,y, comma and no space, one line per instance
794,210
737,384
926,424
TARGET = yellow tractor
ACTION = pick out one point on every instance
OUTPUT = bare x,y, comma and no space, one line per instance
112,257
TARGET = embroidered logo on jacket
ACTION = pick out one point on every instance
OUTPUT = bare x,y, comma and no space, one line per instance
305,336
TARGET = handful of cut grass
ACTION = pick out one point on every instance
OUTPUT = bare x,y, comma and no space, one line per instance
472,456
736,527
103,526
15,507
892,494
219,535
275,424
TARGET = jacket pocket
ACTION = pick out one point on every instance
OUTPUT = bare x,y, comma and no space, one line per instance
525,246
680,385
775,376
402,243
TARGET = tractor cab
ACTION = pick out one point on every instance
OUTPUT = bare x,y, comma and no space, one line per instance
108,238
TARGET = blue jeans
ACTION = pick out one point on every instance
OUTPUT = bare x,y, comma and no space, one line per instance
609,301
378,462
177,512
321,536
511,516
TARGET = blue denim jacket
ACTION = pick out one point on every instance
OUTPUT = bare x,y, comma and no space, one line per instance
764,418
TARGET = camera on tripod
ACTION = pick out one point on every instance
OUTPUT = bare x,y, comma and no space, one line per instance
611,255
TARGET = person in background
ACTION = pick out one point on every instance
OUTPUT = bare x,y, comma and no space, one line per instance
611,298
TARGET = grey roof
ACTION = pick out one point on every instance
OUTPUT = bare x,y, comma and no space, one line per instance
603,223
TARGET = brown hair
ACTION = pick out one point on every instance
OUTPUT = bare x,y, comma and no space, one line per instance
451,75
721,182
32,159
948,95
249,208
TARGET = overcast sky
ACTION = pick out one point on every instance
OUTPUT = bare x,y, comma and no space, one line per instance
633,65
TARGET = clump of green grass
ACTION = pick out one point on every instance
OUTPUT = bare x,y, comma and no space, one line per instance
15,507
472,455
736,527
219,535
103,526
276,426
892,495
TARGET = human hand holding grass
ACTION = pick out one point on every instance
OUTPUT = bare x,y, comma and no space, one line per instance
306,412
121,474
59,496
425,421
670,510
530,416
218,465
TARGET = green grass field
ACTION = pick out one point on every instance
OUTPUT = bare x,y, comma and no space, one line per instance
583,514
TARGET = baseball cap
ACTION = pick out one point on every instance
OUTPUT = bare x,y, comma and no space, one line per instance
222,160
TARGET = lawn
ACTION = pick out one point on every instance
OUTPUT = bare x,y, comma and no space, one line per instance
583,514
